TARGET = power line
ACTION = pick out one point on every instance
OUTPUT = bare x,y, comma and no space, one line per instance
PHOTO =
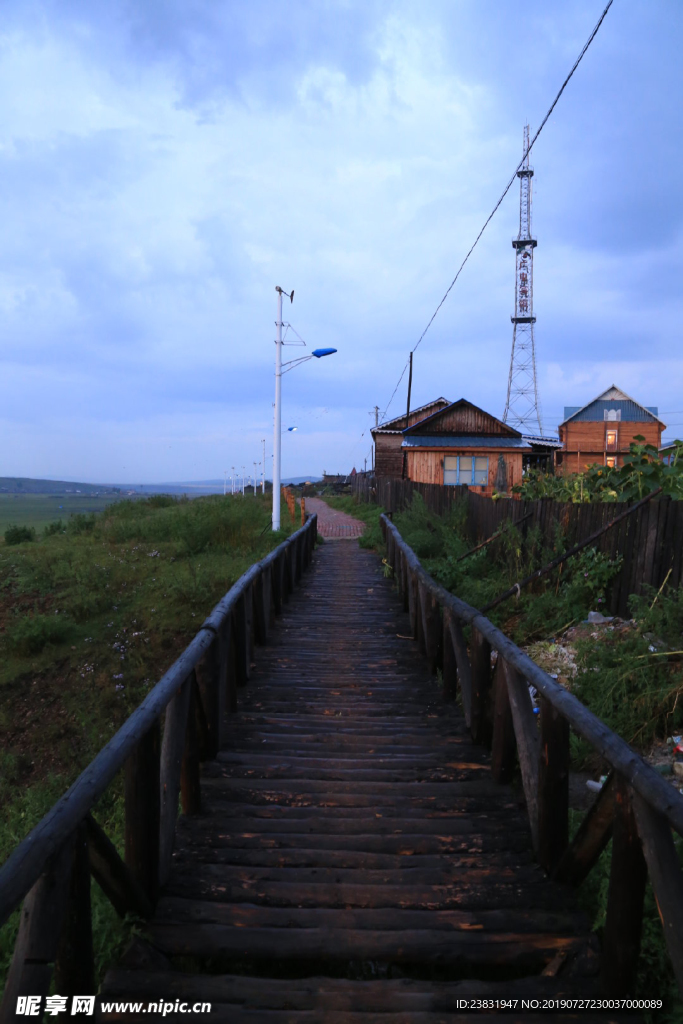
504,193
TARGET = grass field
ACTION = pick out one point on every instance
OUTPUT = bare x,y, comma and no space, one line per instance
90,618
37,510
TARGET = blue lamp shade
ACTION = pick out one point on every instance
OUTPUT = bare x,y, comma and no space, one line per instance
292,428
320,352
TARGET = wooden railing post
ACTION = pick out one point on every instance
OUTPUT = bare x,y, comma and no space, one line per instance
628,874
142,811
40,928
172,747
114,878
464,669
528,743
666,877
450,666
259,610
276,583
430,620
75,962
503,743
190,788
239,631
553,786
480,658
211,672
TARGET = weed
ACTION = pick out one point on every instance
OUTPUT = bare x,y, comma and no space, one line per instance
19,534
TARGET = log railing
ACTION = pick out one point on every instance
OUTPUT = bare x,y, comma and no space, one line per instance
636,807
50,870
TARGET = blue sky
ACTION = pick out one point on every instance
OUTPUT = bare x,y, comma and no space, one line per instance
163,165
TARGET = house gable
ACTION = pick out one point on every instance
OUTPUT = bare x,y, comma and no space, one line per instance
463,419
611,404
398,424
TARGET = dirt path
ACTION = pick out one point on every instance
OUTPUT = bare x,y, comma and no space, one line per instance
333,525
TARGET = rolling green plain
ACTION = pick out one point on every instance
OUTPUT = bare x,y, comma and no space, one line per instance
37,510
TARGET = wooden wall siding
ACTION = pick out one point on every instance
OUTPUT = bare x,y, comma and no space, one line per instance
388,454
426,466
465,419
585,443
650,541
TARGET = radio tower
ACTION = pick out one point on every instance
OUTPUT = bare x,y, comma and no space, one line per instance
522,408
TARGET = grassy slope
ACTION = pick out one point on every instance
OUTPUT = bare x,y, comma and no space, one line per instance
89,621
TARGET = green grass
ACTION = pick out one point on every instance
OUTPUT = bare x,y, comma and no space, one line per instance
90,618
37,510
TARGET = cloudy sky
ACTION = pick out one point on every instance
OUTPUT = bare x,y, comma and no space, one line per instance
164,164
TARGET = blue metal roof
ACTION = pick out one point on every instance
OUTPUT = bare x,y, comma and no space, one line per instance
473,441
595,412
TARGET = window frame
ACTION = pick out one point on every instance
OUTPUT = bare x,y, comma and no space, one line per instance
471,473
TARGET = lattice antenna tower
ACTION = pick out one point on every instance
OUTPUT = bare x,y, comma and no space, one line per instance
522,408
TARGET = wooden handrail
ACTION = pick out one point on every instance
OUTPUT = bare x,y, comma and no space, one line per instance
29,859
636,807
644,779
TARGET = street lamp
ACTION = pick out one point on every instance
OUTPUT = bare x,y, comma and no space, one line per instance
281,367
243,472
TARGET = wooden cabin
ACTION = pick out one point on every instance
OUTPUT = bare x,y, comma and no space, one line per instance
462,444
602,431
388,438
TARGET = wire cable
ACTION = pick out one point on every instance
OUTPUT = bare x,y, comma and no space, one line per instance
503,195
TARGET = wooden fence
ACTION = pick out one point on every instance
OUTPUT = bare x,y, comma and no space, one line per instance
650,542
50,870
635,807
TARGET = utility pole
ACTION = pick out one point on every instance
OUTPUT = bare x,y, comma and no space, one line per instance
277,424
372,451
232,479
263,490
255,465
243,478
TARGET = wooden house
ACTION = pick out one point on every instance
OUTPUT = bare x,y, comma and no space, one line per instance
462,444
388,438
602,431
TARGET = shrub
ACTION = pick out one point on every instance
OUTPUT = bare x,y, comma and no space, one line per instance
52,528
32,634
19,534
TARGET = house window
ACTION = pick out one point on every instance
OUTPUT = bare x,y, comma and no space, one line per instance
611,461
611,440
613,414
472,470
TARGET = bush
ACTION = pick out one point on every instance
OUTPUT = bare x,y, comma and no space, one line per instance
32,634
53,528
19,534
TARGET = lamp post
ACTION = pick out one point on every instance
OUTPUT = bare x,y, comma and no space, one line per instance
263,467
281,367
243,472
232,480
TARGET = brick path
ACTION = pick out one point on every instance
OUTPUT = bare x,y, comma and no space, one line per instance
333,525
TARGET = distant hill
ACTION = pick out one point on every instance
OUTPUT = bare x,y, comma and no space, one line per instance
25,485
